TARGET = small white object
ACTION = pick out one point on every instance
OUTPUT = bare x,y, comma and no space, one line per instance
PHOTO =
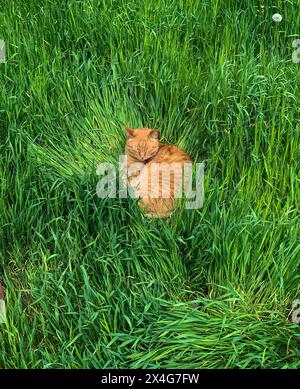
296,311
277,18
2,51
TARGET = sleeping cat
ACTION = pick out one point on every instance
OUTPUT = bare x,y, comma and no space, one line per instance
147,161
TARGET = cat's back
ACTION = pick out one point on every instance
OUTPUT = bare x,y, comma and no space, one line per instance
170,153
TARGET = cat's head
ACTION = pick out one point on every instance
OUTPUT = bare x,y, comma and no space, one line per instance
142,143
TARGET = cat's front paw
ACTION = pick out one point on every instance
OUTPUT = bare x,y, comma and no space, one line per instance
135,169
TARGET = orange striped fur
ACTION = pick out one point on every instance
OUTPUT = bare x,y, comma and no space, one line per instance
144,151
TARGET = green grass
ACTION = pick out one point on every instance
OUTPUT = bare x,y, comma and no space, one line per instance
91,283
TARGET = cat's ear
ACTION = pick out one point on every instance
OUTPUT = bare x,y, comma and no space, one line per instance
129,132
154,134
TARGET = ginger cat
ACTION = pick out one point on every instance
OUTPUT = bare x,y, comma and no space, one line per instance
154,171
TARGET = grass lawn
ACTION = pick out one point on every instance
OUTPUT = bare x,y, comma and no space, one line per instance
90,282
